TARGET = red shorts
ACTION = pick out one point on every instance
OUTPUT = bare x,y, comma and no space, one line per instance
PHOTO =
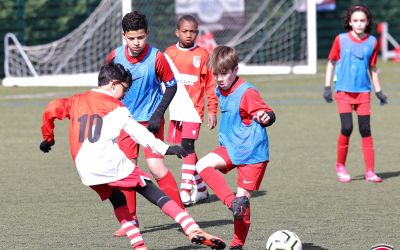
249,176
131,148
347,102
178,130
135,179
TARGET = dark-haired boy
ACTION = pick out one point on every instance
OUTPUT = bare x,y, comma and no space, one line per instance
145,99
96,119
195,83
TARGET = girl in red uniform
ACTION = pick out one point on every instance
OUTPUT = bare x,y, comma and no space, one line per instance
352,64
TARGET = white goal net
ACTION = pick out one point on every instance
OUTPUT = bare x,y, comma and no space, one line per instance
73,60
277,37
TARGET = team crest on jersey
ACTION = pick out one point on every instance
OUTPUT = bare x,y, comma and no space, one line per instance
196,61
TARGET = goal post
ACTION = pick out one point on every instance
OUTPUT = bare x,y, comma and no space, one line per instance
390,48
73,60
275,37
284,41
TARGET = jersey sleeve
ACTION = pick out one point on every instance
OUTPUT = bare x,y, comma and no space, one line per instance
141,135
374,56
212,99
111,56
56,109
250,104
334,54
163,70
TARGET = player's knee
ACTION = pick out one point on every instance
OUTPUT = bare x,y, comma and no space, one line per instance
202,164
364,126
188,145
346,121
346,130
365,130
117,198
162,201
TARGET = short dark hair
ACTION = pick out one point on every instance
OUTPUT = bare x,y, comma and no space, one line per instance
134,21
355,8
188,18
113,71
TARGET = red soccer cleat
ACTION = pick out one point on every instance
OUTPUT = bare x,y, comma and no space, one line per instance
200,237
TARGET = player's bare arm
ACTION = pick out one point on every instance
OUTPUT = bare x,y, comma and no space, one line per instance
212,121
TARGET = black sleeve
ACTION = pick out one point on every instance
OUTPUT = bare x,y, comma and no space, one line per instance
272,118
167,98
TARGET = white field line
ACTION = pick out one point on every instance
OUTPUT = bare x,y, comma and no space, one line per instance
35,96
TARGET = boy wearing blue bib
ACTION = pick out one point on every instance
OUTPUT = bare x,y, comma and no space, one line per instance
243,140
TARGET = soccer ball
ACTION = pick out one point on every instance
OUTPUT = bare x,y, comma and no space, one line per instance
283,240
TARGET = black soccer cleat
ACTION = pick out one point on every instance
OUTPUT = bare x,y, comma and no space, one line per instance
239,206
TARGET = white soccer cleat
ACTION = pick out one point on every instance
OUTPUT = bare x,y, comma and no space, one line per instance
185,198
197,196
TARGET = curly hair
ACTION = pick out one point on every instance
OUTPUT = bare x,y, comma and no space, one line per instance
355,8
134,21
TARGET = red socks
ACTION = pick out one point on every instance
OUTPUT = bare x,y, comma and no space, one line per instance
342,149
128,224
241,229
168,185
179,215
188,170
367,146
190,178
130,197
217,183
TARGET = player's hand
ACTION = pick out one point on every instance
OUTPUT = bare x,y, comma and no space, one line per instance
176,150
212,121
382,97
327,94
45,146
262,117
155,122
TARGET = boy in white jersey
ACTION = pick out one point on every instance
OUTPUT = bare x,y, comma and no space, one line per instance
97,118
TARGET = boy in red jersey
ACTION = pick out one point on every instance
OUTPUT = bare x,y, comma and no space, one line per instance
96,119
243,140
352,62
195,82
145,100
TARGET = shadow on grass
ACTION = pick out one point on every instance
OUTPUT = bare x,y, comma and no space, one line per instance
187,247
202,224
214,198
311,246
306,246
384,176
